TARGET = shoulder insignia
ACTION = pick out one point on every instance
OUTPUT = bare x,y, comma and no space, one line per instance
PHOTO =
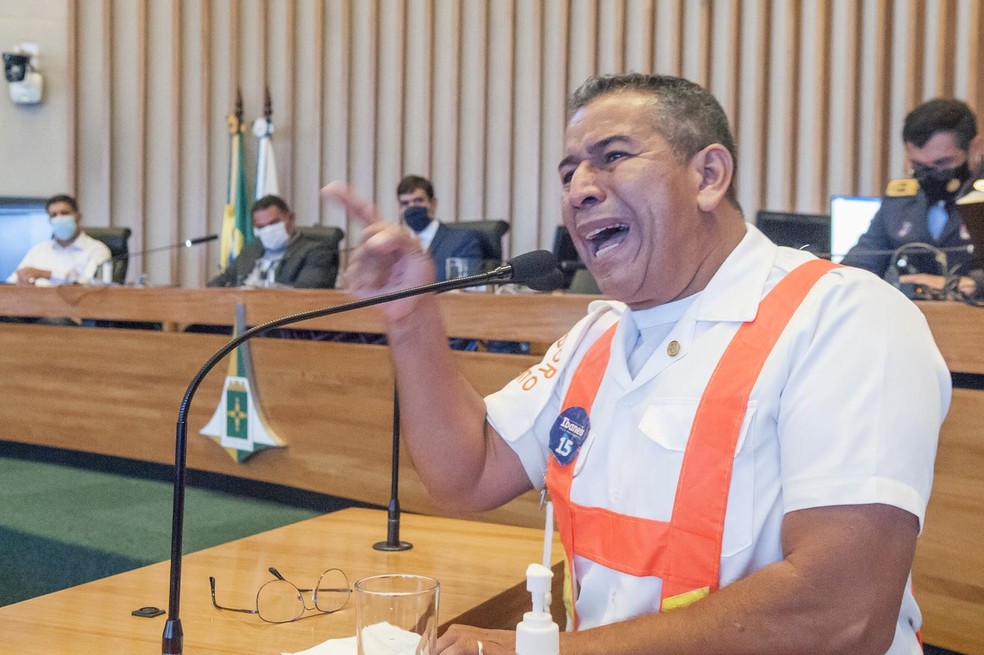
902,187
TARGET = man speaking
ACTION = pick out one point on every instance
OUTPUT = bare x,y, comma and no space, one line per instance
739,447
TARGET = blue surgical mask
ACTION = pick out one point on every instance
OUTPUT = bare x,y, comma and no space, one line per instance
63,226
274,236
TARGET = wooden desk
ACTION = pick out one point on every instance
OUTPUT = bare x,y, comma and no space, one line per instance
119,391
481,568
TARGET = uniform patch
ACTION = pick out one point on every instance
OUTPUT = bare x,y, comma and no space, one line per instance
568,433
903,187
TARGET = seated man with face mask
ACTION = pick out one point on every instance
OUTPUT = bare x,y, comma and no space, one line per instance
918,215
70,255
418,204
280,257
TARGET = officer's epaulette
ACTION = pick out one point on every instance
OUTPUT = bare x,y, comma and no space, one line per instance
906,186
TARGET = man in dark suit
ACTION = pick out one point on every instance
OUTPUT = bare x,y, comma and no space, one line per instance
280,257
437,239
942,144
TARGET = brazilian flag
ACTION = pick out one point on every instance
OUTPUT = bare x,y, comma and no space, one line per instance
237,226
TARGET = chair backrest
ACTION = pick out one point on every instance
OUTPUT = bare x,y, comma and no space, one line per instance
331,235
117,239
802,231
491,232
583,282
568,260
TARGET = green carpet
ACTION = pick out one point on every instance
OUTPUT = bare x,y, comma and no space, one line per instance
61,526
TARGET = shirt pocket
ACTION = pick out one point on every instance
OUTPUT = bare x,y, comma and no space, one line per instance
667,423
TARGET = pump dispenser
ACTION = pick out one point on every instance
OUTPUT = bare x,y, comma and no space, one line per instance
537,634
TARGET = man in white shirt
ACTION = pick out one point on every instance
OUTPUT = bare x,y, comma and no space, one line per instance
70,256
754,481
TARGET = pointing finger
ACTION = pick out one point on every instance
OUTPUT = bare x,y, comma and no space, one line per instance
364,210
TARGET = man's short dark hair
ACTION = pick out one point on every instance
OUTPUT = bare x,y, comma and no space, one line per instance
940,115
685,114
411,183
266,202
62,197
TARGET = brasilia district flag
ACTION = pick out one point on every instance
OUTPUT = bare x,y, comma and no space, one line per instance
237,226
266,163
238,424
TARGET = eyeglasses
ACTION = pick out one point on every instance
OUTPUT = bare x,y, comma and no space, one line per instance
280,601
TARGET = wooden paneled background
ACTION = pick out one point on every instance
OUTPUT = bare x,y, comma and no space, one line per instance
471,93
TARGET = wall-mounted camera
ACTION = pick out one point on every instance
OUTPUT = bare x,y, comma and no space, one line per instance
24,82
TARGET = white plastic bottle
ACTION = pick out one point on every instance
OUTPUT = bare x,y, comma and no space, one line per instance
537,634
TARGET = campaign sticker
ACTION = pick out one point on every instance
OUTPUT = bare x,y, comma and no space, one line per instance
568,433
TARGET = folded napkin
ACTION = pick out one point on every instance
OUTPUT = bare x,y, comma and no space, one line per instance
377,639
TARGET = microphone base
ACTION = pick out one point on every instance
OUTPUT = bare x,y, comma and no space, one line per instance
387,546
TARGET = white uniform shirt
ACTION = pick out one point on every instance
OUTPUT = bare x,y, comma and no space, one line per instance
76,262
846,411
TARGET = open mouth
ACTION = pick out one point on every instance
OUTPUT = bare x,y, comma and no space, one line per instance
607,238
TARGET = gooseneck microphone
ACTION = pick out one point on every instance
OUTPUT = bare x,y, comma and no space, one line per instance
537,269
187,243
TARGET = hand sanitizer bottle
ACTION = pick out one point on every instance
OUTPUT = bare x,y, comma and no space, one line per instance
537,634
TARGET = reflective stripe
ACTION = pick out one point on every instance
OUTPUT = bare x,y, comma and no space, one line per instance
684,552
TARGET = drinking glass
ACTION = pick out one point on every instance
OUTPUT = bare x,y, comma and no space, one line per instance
396,614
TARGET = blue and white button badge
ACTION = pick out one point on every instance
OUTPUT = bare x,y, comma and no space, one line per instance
568,433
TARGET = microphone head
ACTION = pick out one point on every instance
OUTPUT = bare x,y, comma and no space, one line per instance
551,281
537,270
193,242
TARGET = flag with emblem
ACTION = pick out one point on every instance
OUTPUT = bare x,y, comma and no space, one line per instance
266,164
237,226
238,424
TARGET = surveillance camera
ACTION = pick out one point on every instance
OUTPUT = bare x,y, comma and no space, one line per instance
15,66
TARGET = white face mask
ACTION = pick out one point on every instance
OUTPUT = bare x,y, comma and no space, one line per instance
273,236
63,226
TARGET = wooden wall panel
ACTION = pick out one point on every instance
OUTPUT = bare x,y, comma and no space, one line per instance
472,94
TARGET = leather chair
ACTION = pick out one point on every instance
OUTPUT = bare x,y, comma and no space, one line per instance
491,232
331,235
117,239
576,276
568,259
583,282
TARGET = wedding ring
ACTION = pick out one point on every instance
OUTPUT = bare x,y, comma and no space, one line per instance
481,647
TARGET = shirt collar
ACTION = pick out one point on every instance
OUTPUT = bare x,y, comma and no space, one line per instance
76,244
734,293
426,235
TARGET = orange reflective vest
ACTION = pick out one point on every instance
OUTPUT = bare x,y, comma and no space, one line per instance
685,552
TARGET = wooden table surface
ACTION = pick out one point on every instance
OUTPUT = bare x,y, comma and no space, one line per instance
481,568
119,392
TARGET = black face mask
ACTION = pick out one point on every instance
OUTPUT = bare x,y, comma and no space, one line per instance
416,218
941,184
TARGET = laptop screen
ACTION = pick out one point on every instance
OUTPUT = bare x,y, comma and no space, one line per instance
849,219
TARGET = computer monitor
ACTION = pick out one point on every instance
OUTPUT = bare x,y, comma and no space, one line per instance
801,231
23,223
850,217
971,210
